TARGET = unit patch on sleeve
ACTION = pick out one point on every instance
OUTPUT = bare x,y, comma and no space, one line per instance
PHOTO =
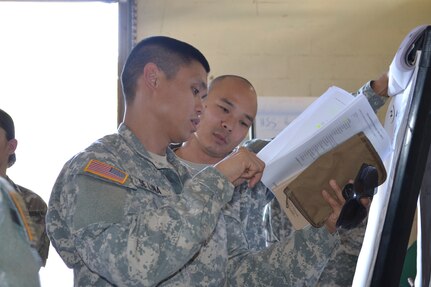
106,171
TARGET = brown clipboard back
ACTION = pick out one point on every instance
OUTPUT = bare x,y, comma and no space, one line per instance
342,163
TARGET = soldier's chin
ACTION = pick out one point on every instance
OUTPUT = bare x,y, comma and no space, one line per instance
184,137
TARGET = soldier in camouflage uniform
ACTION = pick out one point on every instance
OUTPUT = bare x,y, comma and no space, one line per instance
19,260
263,220
126,212
35,204
230,109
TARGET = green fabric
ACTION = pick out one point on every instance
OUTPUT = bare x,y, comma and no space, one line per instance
409,267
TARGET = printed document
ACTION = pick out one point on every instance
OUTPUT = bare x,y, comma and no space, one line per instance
330,120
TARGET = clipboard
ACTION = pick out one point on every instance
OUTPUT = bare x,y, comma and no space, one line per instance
342,163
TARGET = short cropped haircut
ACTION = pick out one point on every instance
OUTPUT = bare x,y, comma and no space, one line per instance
167,53
218,79
6,123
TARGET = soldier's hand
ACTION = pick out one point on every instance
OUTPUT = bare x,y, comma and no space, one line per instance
336,203
240,166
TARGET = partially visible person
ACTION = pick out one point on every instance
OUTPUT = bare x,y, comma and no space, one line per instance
230,108
35,204
19,260
126,212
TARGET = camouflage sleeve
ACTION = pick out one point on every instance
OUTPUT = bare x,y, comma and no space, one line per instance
140,239
280,223
254,214
246,217
373,98
236,231
19,262
37,209
342,264
291,262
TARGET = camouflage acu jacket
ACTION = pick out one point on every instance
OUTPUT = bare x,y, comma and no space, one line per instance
19,261
37,208
119,219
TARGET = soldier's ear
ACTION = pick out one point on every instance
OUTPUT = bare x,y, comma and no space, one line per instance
151,75
12,144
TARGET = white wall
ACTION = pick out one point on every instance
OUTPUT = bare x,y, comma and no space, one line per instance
58,76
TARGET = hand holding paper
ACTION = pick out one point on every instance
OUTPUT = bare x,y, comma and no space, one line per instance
326,124
330,120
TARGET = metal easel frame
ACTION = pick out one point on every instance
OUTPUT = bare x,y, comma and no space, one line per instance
409,176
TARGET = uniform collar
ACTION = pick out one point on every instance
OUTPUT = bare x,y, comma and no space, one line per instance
134,143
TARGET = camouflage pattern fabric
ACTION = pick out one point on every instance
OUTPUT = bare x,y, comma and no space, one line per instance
139,224
37,210
19,262
253,230
376,101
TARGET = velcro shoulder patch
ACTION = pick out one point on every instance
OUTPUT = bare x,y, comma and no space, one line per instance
24,217
106,171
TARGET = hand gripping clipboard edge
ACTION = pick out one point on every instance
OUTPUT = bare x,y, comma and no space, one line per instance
342,163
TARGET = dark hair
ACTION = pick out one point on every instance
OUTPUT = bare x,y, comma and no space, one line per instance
167,53
7,124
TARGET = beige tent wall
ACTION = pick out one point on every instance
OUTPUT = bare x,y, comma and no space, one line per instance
289,48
